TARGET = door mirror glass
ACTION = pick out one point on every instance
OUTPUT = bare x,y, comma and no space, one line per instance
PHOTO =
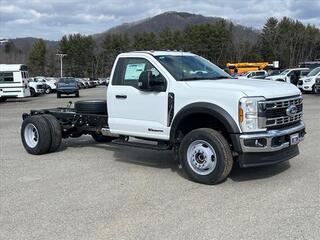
144,80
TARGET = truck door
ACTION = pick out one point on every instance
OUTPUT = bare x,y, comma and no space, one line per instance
132,111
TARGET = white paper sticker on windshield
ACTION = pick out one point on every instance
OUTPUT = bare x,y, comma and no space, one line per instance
133,71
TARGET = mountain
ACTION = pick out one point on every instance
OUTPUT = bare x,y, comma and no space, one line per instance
16,50
175,21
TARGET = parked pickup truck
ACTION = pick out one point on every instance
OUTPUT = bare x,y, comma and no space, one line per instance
182,102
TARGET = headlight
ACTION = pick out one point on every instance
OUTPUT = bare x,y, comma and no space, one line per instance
249,113
307,80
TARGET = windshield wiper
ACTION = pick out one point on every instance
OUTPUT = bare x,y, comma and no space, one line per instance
203,78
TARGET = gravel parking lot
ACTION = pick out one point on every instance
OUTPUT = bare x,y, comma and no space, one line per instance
96,191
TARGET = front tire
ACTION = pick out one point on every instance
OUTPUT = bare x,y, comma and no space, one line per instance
205,156
32,92
48,90
36,135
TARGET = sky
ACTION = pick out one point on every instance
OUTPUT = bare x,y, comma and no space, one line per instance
51,19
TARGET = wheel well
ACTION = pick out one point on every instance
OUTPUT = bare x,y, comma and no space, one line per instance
200,120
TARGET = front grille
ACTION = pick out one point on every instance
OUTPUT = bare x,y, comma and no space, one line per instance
39,86
280,112
276,115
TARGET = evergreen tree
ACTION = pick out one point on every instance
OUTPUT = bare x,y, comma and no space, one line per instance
37,58
79,50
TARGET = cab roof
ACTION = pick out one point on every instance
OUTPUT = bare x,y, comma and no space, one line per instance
160,53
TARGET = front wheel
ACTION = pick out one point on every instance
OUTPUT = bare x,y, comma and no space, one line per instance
3,99
205,156
32,92
48,90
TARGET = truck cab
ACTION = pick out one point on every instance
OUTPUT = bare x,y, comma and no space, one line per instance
182,102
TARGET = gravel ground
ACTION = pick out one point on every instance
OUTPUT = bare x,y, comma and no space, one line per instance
96,191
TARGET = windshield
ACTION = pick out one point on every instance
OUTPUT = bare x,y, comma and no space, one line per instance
314,72
67,80
285,72
184,68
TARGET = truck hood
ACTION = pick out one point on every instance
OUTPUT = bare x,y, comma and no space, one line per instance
250,87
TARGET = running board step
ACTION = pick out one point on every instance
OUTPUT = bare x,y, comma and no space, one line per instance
160,146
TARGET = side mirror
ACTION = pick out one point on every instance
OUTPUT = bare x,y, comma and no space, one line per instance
144,80
148,82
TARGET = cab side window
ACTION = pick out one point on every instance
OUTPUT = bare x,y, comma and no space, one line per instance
128,71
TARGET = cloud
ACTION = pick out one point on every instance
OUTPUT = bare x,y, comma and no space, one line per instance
50,19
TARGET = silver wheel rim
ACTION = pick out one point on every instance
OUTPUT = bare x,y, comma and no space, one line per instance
31,135
201,157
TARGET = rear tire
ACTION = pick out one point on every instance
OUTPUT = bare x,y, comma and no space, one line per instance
36,135
102,139
205,156
55,130
91,106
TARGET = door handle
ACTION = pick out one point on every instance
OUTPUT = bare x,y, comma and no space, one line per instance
121,96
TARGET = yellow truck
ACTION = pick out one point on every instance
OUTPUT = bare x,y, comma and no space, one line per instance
244,67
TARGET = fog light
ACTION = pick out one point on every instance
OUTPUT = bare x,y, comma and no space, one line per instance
259,142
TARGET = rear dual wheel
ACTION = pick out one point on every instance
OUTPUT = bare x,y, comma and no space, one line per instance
41,134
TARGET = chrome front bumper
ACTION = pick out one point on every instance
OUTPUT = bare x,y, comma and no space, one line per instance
272,140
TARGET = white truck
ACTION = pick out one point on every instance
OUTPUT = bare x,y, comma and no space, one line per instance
50,83
182,102
13,81
307,83
291,75
36,88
